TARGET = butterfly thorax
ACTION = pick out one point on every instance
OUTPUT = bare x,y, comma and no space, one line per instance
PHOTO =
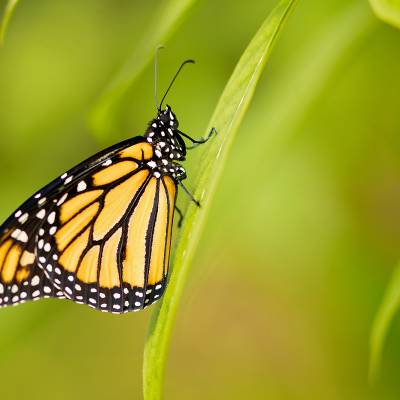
169,147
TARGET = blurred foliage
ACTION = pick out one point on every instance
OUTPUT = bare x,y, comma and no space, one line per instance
104,117
387,10
303,235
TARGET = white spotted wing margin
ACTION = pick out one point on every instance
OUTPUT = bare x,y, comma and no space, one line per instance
22,275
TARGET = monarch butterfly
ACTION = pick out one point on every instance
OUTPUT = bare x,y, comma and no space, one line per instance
100,234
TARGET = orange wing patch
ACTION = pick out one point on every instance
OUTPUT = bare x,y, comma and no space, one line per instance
109,275
141,151
134,263
70,258
4,251
116,203
11,263
77,203
21,274
114,172
87,271
66,234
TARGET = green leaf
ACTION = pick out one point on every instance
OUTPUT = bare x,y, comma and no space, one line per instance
166,20
226,119
387,10
8,12
384,317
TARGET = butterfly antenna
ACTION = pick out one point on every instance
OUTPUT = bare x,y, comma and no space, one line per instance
174,78
159,47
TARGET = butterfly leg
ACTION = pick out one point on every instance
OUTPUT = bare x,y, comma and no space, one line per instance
180,216
191,197
199,141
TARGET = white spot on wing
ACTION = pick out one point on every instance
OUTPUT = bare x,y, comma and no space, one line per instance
81,186
51,218
62,199
15,234
23,218
41,214
23,237
35,280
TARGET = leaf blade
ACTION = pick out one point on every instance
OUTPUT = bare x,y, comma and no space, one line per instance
226,118
383,319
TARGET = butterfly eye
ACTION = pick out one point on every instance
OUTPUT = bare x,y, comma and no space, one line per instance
165,118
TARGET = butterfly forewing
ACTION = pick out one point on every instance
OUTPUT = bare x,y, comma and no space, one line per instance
99,235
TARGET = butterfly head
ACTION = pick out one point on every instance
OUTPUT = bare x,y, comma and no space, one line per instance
163,133
167,118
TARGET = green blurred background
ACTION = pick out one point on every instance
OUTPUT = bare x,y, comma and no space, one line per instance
304,231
